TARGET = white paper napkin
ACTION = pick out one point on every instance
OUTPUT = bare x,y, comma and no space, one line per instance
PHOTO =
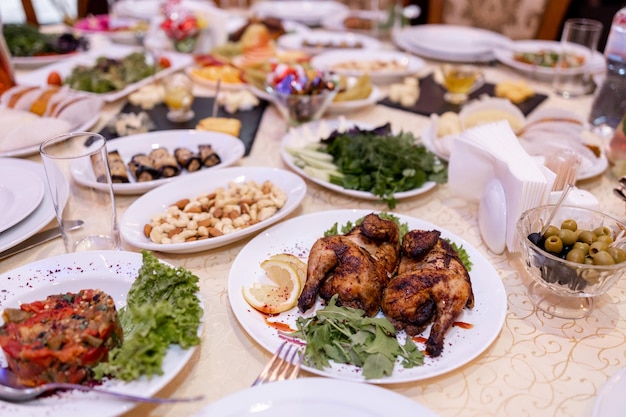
493,151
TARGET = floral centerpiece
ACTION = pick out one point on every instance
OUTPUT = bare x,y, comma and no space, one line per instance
182,26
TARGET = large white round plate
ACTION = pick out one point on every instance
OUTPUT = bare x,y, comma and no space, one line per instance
611,402
311,132
393,64
591,168
307,11
297,235
34,149
314,397
39,217
64,68
110,271
158,200
21,192
450,43
316,41
229,148
506,56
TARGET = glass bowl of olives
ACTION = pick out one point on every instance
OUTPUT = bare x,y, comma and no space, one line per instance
573,254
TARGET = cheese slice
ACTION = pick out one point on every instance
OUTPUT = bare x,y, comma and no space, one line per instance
226,125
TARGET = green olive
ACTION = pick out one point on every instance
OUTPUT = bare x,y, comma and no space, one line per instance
618,254
598,247
569,224
603,258
605,238
602,230
582,246
588,260
553,244
587,237
576,255
567,236
551,231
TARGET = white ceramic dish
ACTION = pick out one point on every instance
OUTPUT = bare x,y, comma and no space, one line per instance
342,107
110,271
34,149
308,12
297,235
317,41
158,200
38,61
311,132
313,397
406,64
449,42
229,148
611,402
39,217
336,21
506,56
21,192
64,68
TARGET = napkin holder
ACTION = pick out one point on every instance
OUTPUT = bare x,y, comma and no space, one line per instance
488,166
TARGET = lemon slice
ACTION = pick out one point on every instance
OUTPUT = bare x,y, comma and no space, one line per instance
297,264
274,299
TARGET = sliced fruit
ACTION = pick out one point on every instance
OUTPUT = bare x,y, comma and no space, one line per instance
274,299
298,264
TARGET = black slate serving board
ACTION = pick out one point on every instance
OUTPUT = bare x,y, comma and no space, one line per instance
202,106
431,99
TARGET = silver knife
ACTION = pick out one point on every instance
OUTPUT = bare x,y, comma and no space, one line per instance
39,238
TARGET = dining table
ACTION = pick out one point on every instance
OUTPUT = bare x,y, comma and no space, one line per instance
538,365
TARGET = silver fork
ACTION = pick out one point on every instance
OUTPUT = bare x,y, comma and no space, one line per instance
281,366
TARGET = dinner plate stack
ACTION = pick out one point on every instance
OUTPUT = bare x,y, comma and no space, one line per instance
450,43
25,203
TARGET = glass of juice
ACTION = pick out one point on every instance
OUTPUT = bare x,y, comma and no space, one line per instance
459,81
179,97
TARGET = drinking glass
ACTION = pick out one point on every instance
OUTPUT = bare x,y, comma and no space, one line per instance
179,97
459,81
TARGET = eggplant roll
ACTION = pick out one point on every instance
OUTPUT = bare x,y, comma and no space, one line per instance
142,168
187,159
164,162
208,156
119,175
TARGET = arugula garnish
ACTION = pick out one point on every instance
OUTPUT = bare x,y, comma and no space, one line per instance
346,335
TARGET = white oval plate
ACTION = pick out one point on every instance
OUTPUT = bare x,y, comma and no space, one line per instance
37,61
110,271
158,200
229,148
410,64
39,218
297,138
327,41
313,397
34,149
336,21
505,55
297,235
341,107
307,11
65,67
21,192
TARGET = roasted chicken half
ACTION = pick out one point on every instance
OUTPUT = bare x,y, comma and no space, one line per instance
355,266
432,286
